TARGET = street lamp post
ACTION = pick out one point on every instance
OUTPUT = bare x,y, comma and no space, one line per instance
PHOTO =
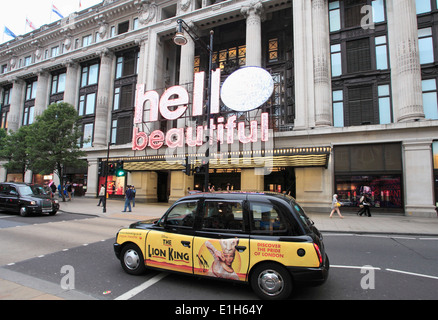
106,176
181,40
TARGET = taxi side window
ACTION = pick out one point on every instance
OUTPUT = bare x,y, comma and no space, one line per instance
221,215
182,215
266,220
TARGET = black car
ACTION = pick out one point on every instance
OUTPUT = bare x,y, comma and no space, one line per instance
263,239
26,199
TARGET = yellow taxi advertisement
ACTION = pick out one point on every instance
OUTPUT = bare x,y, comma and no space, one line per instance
222,258
262,239
169,251
286,253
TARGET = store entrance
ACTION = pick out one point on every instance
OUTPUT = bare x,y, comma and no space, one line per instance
281,180
219,180
163,190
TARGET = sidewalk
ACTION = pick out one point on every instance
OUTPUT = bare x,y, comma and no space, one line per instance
17,288
392,224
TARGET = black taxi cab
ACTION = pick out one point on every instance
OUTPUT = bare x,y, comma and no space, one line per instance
26,199
264,239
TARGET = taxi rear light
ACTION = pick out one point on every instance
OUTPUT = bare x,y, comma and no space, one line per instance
318,252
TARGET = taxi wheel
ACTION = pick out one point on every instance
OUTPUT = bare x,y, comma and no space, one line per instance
270,281
23,212
132,260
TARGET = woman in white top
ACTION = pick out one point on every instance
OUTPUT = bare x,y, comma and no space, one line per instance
335,206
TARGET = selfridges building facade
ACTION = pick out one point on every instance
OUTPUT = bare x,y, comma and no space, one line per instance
353,108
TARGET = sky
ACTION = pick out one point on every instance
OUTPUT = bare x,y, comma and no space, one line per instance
13,13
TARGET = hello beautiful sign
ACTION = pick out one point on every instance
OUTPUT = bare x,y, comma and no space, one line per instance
245,90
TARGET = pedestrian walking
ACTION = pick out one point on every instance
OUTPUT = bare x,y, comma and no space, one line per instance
101,195
133,195
128,199
69,190
335,206
364,205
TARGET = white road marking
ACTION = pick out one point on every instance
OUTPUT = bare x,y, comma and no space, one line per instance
387,269
132,293
413,274
355,267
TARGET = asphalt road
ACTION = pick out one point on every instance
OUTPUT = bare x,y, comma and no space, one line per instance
49,249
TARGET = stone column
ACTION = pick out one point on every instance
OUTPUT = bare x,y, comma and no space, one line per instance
72,83
321,63
418,178
253,14
17,104
405,60
304,72
41,99
104,99
93,178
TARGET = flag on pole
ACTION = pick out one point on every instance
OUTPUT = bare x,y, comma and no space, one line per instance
30,24
9,32
80,4
55,10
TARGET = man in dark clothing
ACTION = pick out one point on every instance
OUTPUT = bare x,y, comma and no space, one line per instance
128,198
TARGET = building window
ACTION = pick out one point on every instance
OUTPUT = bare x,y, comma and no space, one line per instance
423,6
27,61
230,59
273,50
336,59
58,83
334,16
4,68
338,108
4,107
385,114
31,90
55,51
372,169
87,40
87,137
378,11
135,24
123,27
28,116
430,103
360,105
88,100
358,55
352,12
425,44
4,119
87,104
127,64
6,97
121,130
90,75
124,96
381,53
29,104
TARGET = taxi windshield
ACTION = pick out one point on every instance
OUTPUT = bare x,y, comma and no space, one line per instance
25,191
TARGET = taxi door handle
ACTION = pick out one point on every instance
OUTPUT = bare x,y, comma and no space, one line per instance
240,248
186,244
